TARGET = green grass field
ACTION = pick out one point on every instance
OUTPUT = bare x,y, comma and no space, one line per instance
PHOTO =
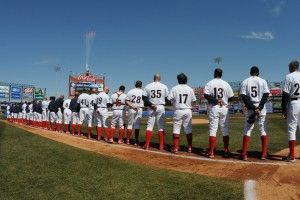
277,130
32,167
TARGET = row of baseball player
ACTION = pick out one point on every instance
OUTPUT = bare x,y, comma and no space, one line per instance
254,93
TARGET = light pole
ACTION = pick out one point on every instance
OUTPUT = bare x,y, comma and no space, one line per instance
218,60
57,69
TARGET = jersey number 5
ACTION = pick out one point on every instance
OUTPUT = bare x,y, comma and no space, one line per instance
253,91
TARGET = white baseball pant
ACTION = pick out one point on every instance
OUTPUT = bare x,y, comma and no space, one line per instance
67,116
183,118
118,118
157,116
293,118
134,118
261,120
86,114
218,115
102,117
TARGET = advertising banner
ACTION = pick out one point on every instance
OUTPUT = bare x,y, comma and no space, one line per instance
39,94
15,93
84,82
4,93
27,94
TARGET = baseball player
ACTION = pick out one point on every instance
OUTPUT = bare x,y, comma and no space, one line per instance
254,93
59,115
52,115
102,103
182,97
291,106
134,100
157,93
45,113
75,107
118,101
67,114
8,113
35,113
84,113
24,105
92,103
39,112
218,94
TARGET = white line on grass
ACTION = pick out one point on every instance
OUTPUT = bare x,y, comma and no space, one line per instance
249,190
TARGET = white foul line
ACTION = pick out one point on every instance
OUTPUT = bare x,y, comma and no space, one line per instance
249,190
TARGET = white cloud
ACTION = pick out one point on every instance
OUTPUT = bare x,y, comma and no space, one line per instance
275,7
259,36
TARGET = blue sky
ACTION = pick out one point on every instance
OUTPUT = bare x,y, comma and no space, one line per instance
137,38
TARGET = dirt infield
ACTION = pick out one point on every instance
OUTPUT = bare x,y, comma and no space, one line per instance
275,179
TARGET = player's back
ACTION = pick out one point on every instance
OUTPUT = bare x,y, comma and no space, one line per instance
83,100
102,100
45,104
219,89
156,92
254,87
118,100
66,103
182,96
135,97
292,84
92,101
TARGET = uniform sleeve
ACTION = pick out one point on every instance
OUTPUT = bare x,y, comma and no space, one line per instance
166,90
230,91
243,88
145,93
286,85
78,100
266,87
193,97
207,89
127,97
171,96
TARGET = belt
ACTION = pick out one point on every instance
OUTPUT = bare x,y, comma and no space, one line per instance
102,107
294,99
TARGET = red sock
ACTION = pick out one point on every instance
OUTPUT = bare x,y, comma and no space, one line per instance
79,129
128,135
161,137
226,143
106,133
292,144
189,139
121,133
264,145
73,128
112,133
212,144
246,140
148,138
89,132
99,133
176,141
67,128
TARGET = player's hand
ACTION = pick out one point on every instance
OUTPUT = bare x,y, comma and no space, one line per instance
257,111
153,107
284,114
135,109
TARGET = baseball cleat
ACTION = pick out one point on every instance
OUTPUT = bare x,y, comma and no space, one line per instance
127,141
226,154
244,157
263,157
111,141
175,151
211,156
289,159
145,147
120,141
189,150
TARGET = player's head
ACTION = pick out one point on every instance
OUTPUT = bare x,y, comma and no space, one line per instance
182,78
218,73
254,71
52,98
157,77
76,94
61,96
122,88
106,89
93,91
294,66
138,84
